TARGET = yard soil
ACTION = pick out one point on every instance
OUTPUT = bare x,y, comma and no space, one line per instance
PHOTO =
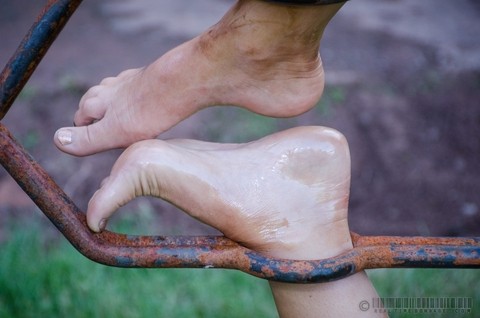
402,85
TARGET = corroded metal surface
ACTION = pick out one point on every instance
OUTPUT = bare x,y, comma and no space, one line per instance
219,252
185,251
32,49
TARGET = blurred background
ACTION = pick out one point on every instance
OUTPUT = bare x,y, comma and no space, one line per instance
403,85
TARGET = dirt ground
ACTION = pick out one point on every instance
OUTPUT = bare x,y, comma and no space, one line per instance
403,85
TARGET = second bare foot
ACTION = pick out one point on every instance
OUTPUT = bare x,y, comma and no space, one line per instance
285,195
260,56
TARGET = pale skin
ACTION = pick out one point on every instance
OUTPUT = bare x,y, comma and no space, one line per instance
263,57
259,56
285,195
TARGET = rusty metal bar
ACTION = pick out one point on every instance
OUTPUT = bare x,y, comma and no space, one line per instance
32,49
183,251
219,252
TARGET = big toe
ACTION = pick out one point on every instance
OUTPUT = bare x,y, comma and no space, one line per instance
114,193
87,140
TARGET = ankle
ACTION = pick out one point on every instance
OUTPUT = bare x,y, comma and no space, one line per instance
261,38
259,29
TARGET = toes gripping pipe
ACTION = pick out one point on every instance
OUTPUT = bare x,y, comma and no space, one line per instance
185,251
219,252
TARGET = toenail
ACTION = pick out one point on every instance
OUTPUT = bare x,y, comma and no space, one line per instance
65,137
102,224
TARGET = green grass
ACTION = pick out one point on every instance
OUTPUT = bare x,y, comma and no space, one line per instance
41,276
48,278
429,283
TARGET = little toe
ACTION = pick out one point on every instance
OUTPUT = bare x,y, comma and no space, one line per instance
108,81
129,72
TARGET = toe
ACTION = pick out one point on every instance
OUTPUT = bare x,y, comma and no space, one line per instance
92,92
90,110
128,179
87,140
108,81
113,194
129,72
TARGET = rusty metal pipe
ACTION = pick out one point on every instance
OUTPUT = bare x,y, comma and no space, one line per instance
147,251
32,49
184,251
219,252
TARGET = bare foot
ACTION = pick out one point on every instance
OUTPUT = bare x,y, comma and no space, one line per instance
260,56
285,195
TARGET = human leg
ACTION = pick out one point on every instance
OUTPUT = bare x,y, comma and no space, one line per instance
261,56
